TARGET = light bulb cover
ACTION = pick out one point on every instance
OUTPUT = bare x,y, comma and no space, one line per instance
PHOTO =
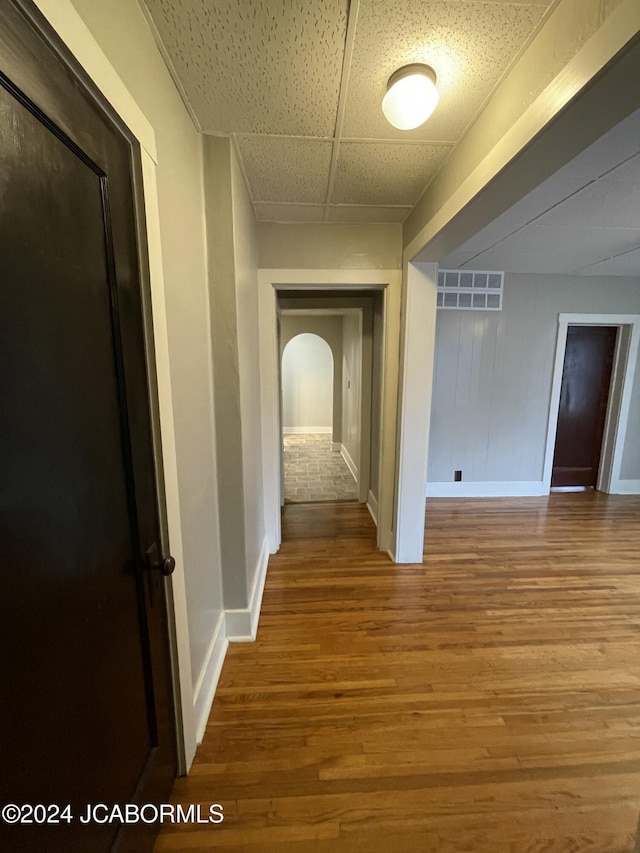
411,96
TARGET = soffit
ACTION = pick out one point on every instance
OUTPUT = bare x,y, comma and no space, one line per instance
298,85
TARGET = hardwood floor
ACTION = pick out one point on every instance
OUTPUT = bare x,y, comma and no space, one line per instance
486,701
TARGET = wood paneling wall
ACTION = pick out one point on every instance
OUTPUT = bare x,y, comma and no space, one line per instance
493,375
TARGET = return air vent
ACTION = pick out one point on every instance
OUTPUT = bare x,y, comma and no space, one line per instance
469,290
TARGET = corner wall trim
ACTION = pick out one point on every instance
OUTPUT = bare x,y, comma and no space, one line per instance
372,506
535,488
242,624
208,680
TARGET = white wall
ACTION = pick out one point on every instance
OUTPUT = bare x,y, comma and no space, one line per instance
121,31
307,385
351,389
246,279
232,255
493,374
329,246
226,368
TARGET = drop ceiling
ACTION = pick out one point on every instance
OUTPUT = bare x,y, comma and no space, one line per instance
298,84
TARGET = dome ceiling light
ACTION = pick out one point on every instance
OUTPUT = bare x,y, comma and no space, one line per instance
411,96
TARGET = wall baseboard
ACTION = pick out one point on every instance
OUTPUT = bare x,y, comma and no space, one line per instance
351,465
336,446
208,680
306,430
372,506
625,487
242,624
516,489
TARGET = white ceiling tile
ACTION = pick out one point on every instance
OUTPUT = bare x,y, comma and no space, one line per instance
361,213
625,264
290,212
469,44
257,67
456,260
385,173
539,248
627,172
529,208
519,262
602,203
273,68
541,239
280,169
545,196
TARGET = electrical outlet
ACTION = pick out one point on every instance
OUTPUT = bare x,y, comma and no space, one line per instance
457,476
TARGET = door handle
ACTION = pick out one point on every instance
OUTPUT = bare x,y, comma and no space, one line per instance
158,562
166,565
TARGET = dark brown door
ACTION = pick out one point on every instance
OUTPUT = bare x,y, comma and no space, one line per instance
86,711
586,377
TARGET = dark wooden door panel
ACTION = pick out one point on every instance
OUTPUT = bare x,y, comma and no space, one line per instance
86,712
584,397
67,530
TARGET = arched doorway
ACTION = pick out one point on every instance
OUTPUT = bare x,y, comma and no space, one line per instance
314,469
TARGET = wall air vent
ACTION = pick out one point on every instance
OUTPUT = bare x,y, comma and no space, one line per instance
469,290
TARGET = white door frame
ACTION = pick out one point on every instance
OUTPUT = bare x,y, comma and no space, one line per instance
365,415
272,281
622,376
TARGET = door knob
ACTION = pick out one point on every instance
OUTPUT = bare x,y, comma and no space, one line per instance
166,565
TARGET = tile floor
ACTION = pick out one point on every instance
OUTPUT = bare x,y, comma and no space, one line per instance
314,472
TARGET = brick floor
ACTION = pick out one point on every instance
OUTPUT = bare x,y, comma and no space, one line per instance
314,472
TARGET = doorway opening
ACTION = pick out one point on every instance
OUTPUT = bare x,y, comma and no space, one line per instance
315,462
351,323
324,292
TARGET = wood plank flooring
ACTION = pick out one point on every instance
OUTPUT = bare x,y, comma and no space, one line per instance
486,701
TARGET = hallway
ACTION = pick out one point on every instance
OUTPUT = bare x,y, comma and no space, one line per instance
486,701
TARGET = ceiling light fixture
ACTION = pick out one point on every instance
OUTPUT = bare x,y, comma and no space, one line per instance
411,96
